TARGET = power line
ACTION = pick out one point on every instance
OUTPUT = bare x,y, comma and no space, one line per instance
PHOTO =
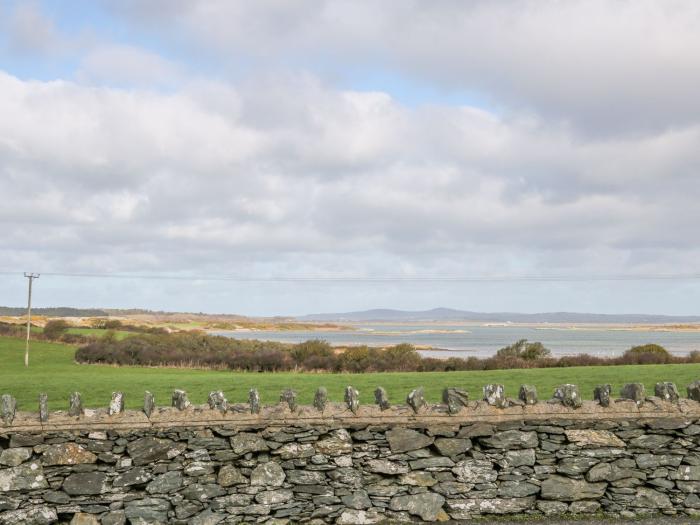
386,278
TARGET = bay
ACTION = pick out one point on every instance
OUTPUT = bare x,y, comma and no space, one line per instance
483,340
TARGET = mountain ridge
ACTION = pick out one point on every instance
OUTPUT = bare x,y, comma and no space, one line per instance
451,314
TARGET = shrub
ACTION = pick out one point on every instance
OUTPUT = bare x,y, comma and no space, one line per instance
55,329
524,350
647,354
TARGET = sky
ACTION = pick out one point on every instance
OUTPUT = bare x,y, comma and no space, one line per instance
231,143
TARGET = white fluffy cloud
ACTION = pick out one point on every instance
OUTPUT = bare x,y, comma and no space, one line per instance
584,162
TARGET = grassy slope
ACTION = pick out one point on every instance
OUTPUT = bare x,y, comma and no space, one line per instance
52,370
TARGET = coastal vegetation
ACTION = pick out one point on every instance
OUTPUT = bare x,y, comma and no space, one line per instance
197,350
53,370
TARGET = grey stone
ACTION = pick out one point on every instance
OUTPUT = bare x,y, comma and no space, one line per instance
359,517
688,473
54,496
25,440
452,446
245,442
75,404
13,457
495,395
28,476
511,439
254,401
528,394
352,399
148,449
117,517
416,399
418,479
594,438
274,497
426,505
336,445
321,398
66,454
634,392
43,407
455,399
8,408
202,491
651,441
116,404
464,509
649,461
305,477
135,476
30,516
384,466
289,397
229,475
267,475
85,483
477,430
357,500
381,398
166,483
207,517
562,488
667,391
568,395
601,393
519,458
517,489
475,471
217,401
431,463
147,511
584,507
693,390
575,466
295,450
198,468
651,499
179,400
149,403
552,508
404,440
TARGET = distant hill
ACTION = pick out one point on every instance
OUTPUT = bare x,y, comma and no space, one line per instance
61,311
448,314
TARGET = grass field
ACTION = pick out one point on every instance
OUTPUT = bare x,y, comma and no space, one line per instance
52,370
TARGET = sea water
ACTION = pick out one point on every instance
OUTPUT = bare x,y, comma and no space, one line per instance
483,340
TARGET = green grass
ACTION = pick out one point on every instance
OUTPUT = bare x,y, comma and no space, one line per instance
53,370
98,332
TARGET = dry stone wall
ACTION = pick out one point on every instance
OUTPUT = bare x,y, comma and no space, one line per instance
352,463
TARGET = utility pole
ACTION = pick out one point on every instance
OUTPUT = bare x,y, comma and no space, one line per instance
31,277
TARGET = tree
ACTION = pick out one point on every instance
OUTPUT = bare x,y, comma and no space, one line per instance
524,350
649,353
55,329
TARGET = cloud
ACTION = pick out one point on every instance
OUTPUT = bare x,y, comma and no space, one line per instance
28,31
603,67
126,65
266,175
239,143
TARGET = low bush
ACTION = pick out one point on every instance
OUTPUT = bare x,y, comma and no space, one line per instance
197,350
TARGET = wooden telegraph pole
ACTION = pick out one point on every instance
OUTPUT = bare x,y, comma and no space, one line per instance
31,277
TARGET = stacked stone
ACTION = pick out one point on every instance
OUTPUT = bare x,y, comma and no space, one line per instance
366,473
369,474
